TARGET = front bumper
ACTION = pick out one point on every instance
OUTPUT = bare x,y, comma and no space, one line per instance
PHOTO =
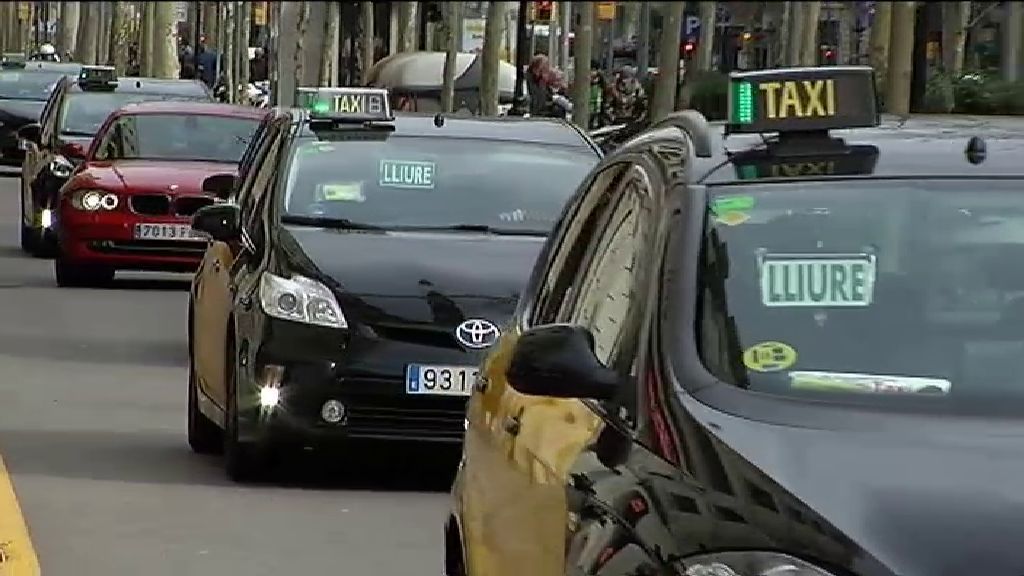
10,153
364,373
107,239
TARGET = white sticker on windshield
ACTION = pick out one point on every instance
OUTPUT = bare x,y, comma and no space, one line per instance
874,383
407,174
817,280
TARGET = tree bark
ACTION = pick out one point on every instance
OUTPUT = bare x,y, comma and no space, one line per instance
785,35
146,40
105,10
1012,41
329,55
369,43
881,34
300,37
227,54
407,26
88,33
451,22
809,33
210,22
584,46
165,46
27,38
901,55
119,36
494,33
67,27
664,98
243,17
796,26
706,43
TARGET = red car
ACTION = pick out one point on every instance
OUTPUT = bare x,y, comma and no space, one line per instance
149,168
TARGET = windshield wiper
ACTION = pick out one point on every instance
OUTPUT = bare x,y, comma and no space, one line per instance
482,228
77,133
327,222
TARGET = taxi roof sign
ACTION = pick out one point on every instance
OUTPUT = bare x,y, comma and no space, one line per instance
802,100
97,77
846,160
13,60
356,105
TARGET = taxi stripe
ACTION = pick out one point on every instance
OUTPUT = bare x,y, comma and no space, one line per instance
17,555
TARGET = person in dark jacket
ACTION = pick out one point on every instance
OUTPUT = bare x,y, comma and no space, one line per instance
539,85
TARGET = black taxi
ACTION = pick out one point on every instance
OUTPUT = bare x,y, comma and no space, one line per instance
792,346
363,264
55,146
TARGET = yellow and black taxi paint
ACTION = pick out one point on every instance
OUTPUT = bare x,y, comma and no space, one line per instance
17,555
802,99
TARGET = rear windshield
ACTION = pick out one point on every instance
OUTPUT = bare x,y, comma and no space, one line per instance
435,182
34,86
873,291
175,137
85,112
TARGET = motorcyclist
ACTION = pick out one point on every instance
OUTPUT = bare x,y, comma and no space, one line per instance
46,52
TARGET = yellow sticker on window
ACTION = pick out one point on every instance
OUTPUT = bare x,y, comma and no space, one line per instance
732,218
350,192
769,357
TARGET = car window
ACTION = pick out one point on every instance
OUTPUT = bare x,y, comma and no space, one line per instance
413,181
85,112
876,292
33,86
176,137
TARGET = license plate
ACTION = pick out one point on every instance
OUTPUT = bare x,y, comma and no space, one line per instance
22,144
165,232
440,380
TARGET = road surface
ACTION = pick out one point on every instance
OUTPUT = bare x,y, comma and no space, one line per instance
92,434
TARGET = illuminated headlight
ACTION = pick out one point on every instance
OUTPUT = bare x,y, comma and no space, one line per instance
270,396
93,200
300,299
61,167
749,564
46,218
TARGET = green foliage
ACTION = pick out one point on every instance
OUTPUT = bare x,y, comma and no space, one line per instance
974,92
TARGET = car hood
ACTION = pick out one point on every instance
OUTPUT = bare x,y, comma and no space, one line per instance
20,112
150,175
923,497
422,278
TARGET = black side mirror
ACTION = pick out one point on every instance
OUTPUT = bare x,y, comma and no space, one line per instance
558,360
32,132
220,221
220,185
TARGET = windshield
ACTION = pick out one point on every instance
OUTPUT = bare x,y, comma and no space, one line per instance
867,291
34,86
85,112
176,137
435,182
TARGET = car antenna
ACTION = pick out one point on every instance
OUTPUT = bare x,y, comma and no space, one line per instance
439,120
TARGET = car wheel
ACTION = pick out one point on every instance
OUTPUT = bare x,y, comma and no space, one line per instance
29,240
46,244
78,276
204,436
243,462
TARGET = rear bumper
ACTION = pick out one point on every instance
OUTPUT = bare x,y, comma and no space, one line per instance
107,239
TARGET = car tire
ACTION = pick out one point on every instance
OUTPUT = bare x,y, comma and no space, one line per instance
46,245
70,275
204,436
243,462
29,240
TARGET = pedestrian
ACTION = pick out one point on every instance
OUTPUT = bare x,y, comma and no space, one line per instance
258,67
598,88
630,99
539,85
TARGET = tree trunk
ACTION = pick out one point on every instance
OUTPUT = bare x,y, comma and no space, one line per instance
407,26
796,27
210,22
584,43
165,46
809,33
451,23
88,33
300,37
27,34
706,42
663,101
146,40
67,27
785,35
369,43
1011,41
630,19
955,16
103,32
119,36
227,54
881,34
901,56
329,56
243,15
494,33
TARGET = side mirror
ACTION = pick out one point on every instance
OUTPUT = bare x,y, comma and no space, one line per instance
32,132
220,185
220,221
558,360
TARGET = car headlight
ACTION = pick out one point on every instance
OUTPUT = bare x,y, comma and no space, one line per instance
300,299
93,200
61,167
749,564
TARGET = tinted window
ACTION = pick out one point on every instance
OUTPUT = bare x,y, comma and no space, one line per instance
176,137
27,85
410,181
85,112
881,291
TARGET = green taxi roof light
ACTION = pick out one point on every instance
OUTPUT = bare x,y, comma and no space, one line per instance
743,109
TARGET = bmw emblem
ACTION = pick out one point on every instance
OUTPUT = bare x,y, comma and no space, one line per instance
477,333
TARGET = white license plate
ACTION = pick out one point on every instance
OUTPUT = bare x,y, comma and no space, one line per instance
165,232
440,380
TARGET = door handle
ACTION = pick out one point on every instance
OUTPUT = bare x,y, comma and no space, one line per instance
513,424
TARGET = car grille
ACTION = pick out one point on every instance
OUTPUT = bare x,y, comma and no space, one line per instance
440,337
163,205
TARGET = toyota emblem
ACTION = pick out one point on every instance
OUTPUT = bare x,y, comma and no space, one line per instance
477,333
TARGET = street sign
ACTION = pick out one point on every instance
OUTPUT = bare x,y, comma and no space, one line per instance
606,11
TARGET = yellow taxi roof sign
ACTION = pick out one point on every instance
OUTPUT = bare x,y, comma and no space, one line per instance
802,99
346,104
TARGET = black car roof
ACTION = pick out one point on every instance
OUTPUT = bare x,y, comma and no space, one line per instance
497,129
156,86
919,146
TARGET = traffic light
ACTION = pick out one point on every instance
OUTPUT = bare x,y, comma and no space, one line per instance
542,11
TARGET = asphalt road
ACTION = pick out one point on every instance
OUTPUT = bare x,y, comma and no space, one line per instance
92,433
